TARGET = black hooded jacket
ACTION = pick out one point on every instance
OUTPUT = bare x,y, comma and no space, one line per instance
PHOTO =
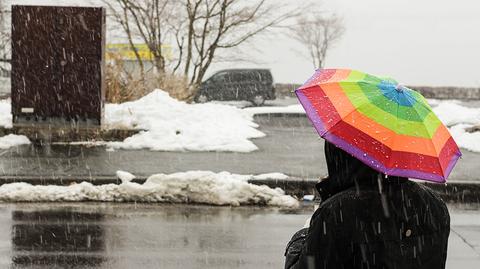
368,220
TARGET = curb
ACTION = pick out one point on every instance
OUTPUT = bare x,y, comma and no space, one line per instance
456,191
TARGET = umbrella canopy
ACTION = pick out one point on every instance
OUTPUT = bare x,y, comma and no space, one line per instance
389,127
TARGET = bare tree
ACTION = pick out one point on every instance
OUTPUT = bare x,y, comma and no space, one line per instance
213,25
198,29
144,20
4,41
318,35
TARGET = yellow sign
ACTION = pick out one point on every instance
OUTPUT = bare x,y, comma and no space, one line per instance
125,52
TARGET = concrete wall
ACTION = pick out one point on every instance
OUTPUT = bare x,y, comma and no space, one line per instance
286,89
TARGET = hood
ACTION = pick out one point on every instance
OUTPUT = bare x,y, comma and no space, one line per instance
345,171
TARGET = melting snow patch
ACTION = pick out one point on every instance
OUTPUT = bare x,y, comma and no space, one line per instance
172,125
125,176
5,114
464,139
270,176
12,140
458,118
190,187
452,113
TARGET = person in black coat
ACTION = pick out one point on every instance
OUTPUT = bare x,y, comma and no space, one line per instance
368,220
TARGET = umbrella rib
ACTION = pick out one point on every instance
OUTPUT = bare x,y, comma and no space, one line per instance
437,157
430,141
390,162
389,166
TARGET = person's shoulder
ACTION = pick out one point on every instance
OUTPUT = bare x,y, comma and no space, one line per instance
423,190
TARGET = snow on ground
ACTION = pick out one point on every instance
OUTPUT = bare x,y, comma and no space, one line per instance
11,140
278,176
464,139
202,187
453,112
125,176
172,125
5,113
458,118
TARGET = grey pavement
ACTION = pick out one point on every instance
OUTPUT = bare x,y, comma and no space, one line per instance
106,235
291,146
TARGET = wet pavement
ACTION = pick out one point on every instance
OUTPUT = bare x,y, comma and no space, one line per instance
106,235
291,146
150,236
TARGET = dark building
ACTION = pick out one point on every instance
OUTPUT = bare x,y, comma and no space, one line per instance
57,65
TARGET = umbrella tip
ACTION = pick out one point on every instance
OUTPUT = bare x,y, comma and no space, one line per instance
400,88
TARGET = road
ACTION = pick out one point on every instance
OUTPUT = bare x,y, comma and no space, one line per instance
146,236
291,146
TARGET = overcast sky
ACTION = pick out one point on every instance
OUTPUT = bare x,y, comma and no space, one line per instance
417,42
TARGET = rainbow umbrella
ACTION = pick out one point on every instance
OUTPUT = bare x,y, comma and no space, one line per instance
389,127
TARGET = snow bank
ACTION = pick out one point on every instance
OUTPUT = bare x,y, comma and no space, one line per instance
278,176
172,125
12,140
125,176
5,113
189,187
452,113
458,118
464,139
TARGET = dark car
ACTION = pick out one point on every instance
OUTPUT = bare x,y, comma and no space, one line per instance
254,85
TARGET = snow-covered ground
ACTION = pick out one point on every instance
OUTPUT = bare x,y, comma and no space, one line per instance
458,118
464,139
11,140
452,112
201,187
172,125
5,113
